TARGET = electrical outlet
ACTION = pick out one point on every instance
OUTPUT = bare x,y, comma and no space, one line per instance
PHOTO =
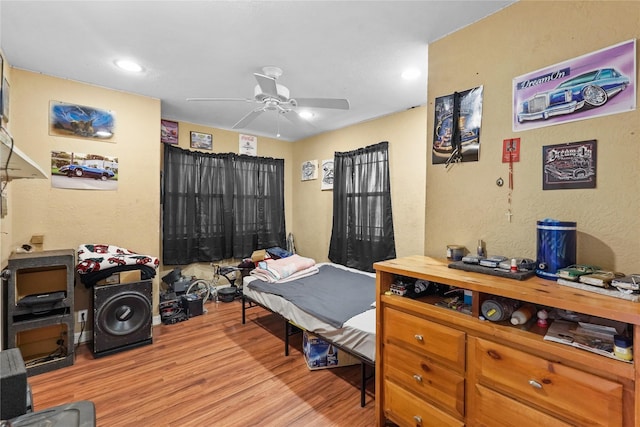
82,315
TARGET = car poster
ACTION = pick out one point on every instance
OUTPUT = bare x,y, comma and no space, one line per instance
79,121
81,171
469,120
569,166
597,84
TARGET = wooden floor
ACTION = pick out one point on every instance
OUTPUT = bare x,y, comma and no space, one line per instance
210,371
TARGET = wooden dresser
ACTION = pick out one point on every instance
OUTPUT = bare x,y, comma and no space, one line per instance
439,367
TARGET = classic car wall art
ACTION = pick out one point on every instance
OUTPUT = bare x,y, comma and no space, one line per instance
588,90
86,172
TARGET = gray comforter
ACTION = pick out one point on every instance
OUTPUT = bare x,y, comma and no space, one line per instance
333,295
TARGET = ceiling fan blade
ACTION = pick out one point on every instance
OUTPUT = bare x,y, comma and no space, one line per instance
220,99
335,103
267,85
248,118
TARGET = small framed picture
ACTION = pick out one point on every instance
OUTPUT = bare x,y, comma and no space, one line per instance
201,140
169,132
309,170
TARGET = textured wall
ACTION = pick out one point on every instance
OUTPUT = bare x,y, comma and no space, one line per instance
313,208
464,204
128,217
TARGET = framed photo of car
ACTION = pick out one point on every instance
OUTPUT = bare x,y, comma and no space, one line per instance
596,84
569,166
201,140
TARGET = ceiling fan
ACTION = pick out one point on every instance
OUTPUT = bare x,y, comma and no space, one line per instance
271,96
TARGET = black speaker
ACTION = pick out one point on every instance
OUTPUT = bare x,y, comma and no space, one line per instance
122,317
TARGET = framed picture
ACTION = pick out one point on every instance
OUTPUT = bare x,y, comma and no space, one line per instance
168,132
201,140
248,145
327,175
309,170
568,166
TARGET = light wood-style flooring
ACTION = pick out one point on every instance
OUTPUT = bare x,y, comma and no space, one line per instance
210,371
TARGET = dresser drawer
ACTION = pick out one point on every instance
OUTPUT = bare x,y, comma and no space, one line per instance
495,409
572,394
424,377
444,343
406,409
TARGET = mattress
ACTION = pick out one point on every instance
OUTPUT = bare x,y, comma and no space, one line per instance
357,335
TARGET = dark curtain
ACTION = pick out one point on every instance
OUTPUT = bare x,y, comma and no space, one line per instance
362,230
212,204
258,207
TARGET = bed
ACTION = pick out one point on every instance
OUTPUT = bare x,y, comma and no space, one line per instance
351,329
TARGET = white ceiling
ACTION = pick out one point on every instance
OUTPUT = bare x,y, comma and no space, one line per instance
327,49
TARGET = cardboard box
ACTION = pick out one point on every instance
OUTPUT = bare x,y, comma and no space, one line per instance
130,276
258,255
121,277
319,354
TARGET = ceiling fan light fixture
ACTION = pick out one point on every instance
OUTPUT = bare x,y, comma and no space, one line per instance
307,115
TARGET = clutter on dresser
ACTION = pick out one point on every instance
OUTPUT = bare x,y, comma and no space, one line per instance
597,335
594,279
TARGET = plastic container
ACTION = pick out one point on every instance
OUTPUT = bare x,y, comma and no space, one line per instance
556,247
623,347
498,309
522,315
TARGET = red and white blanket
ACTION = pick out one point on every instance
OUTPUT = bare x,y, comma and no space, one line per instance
93,258
284,269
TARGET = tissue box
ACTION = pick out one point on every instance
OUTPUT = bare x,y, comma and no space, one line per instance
319,354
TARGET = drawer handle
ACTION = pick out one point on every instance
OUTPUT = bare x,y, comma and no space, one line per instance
494,354
535,384
417,377
417,419
418,337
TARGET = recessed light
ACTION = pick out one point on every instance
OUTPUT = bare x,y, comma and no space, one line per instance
306,115
128,65
410,74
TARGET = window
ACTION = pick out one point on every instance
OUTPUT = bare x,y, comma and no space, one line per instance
220,206
362,218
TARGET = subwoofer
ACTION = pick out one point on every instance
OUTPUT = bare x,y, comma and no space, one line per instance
122,317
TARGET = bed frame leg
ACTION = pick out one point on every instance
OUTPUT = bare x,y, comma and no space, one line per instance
363,383
286,337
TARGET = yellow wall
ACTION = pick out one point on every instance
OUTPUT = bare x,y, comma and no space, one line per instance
5,223
464,204
312,210
128,217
